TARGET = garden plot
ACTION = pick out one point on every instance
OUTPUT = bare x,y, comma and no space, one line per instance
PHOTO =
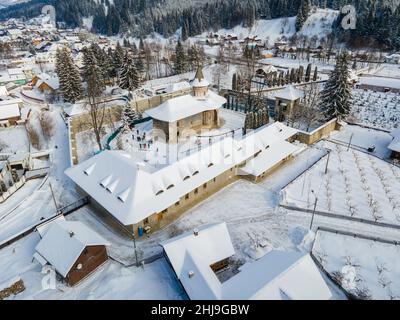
367,269
356,185
376,109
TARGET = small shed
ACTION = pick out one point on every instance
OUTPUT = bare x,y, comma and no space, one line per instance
73,249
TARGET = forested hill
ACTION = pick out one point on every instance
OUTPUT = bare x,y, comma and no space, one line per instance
378,20
162,16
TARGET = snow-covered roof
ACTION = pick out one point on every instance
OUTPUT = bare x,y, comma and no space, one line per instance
194,254
44,227
277,275
289,93
3,91
185,106
380,82
276,153
64,242
199,79
15,71
268,69
9,111
52,81
131,192
395,144
183,85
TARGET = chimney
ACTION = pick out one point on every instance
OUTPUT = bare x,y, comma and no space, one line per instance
71,234
196,232
191,274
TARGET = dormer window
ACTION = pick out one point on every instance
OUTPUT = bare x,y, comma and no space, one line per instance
185,178
159,192
196,172
170,186
210,164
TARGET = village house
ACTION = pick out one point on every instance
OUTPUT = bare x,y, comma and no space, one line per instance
196,257
10,114
73,249
185,115
45,83
140,198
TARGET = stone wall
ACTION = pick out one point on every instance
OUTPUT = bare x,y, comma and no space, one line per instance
319,133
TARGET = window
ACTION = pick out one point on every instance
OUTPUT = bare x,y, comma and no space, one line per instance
196,172
146,221
187,196
215,179
170,186
176,203
196,191
159,192
205,186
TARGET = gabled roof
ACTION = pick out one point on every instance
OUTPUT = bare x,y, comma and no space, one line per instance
289,93
185,106
9,111
277,275
64,242
131,192
191,254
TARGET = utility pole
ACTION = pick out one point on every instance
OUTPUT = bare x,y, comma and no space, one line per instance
315,207
351,138
327,161
134,246
54,198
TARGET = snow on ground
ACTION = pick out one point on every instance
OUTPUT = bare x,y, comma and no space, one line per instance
110,281
33,202
363,138
388,70
318,24
365,268
376,109
14,139
356,184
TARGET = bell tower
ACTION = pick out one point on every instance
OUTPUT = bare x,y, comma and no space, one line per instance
200,85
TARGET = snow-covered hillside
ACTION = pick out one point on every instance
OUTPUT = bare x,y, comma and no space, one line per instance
7,3
319,24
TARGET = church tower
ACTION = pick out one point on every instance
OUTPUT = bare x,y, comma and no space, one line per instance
200,85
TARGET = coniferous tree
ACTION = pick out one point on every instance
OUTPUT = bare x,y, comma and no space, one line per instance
69,78
336,96
129,115
315,77
129,78
302,14
308,73
180,64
